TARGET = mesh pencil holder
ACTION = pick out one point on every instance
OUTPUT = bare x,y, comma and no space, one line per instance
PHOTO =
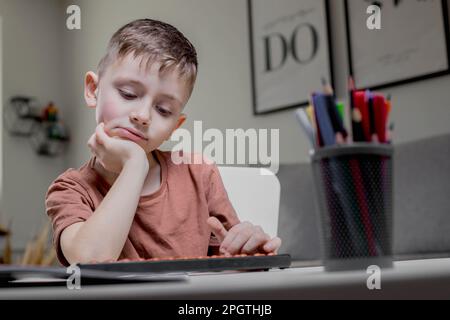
353,185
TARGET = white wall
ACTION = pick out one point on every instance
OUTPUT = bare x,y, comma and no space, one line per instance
44,59
32,66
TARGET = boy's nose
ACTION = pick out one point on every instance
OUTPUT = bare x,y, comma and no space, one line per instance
141,118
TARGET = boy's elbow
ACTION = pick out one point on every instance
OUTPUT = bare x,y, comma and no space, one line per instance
76,250
89,256
76,253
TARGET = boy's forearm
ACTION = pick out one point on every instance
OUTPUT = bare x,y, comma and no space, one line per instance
103,235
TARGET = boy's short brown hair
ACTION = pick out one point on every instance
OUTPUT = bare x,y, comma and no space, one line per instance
155,41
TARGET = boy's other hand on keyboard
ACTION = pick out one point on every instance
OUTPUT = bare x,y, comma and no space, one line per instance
243,238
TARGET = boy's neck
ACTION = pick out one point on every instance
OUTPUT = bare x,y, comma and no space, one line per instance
110,177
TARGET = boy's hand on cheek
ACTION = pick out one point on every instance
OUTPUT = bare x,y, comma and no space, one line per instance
243,238
112,152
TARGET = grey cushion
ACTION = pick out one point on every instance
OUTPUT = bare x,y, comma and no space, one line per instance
421,202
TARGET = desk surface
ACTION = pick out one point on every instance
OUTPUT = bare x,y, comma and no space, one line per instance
420,279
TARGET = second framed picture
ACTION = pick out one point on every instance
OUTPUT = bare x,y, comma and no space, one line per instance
397,53
290,52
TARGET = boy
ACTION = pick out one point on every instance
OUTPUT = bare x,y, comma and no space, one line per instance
130,201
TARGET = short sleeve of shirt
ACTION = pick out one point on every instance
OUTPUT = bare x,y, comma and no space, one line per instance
67,202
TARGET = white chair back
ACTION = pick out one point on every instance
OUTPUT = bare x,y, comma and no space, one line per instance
254,194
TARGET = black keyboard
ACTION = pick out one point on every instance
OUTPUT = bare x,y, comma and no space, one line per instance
197,264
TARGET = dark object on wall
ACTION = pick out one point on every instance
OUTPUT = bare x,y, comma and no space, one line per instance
412,44
49,136
290,52
20,115
47,133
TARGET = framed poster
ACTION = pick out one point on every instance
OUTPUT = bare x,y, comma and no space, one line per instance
289,50
412,44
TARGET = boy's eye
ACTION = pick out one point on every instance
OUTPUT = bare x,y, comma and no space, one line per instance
127,95
163,111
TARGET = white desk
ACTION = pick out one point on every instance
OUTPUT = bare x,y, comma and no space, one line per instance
422,279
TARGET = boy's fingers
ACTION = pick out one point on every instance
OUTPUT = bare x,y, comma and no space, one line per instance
101,134
94,146
273,245
233,232
217,228
239,241
255,242
91,142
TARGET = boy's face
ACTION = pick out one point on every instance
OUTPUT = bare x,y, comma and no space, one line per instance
138,104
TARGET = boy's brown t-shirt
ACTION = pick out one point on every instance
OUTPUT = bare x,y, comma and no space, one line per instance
170,222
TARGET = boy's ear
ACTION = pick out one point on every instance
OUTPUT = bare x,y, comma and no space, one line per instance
90,89
180,122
